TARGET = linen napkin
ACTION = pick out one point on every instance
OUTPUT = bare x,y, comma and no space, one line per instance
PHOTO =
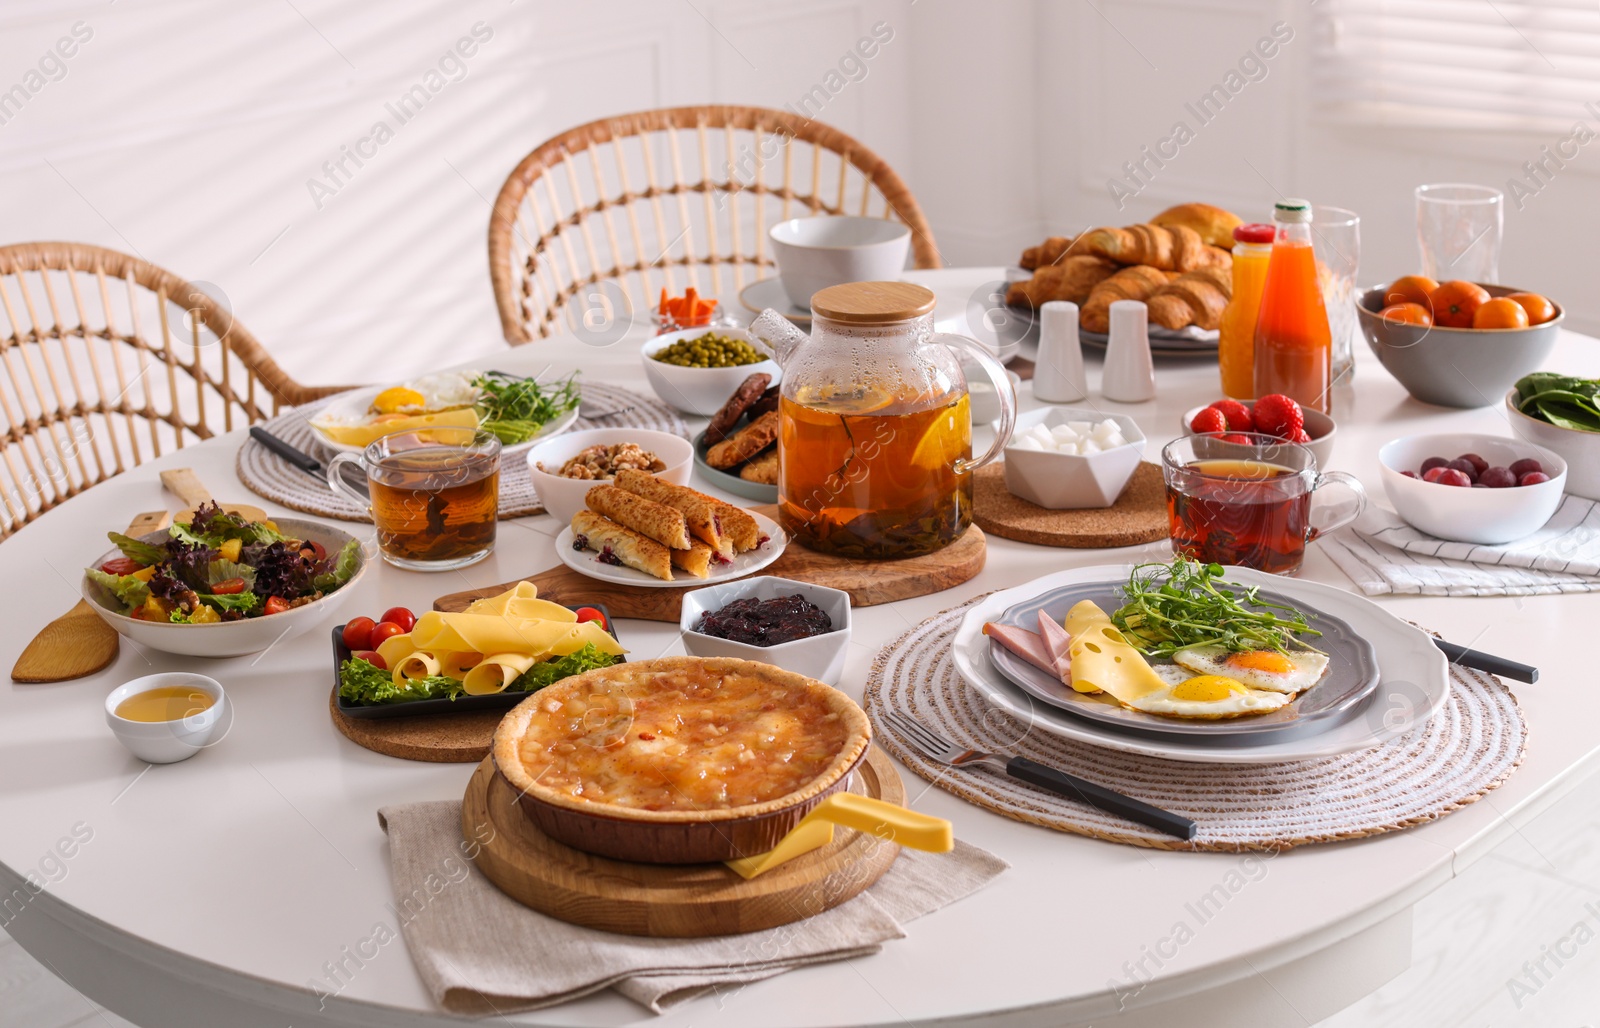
481,952
1383,554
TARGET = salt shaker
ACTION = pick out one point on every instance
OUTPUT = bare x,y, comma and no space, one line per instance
1058,373
1129,375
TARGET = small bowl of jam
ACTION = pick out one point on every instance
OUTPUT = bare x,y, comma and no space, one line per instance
797,626
168,717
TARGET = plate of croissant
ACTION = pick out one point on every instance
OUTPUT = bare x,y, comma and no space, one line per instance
1179,263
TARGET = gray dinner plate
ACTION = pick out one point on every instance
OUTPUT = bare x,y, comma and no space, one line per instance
1352,677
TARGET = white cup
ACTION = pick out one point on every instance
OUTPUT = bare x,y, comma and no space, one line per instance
830,250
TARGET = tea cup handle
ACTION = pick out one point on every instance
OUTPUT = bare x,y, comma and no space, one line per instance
1349,482
1003,389
337,483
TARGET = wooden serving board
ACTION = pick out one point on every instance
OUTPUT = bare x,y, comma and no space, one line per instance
670,900
1138,516
436,738
867,582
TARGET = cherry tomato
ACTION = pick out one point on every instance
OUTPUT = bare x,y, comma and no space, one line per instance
400,616
275,605
590,614
372,657
384,630
317,551
121,566
228,587
358,633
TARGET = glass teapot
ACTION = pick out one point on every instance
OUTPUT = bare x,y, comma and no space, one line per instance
875,424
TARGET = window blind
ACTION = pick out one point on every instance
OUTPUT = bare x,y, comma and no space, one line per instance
1475,64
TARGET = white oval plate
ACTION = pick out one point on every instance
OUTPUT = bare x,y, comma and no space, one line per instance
355,404
1413,685
585,562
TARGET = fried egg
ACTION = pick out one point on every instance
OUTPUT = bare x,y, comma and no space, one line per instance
1205,697
1292,672
427,395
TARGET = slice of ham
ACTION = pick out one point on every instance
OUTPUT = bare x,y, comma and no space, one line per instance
1058,644
1025,644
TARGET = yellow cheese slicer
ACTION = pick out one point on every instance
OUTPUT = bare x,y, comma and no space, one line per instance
863,813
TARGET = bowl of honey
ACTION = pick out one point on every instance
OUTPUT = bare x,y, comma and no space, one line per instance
168,717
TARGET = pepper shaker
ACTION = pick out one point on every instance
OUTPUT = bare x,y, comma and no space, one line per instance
1130,374
1058,375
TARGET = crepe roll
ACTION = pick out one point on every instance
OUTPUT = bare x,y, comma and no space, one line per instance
696,507
697,559
617,544
664,524
495,672
736,524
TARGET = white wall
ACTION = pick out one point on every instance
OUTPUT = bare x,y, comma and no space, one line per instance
187,132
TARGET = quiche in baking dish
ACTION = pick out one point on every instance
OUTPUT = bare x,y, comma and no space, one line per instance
682,739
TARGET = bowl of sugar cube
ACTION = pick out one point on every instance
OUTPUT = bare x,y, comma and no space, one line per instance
1069,458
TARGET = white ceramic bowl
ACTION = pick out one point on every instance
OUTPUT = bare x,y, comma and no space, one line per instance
1581,450
166,742
830,249
231,638
820,657
700,391
1484,516
1069,481
1319,426
563,497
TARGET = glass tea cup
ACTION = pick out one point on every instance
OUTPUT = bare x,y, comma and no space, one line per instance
1248,503
434,495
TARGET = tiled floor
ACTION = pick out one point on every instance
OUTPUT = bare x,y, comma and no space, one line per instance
1512,943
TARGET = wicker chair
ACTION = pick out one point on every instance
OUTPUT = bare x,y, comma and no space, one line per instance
614,201
109,360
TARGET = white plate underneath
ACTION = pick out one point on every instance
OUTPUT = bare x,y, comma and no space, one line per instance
355,404
1414,682
586,562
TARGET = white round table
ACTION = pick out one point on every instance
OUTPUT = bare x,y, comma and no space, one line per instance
215,891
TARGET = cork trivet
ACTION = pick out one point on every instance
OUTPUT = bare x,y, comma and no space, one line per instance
438,738
1138,516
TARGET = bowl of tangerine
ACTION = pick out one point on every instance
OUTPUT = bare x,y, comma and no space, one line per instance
1456,343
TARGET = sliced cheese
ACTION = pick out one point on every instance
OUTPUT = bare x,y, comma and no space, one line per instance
495,672
417,664
494,633
521,602
361,434
1103,661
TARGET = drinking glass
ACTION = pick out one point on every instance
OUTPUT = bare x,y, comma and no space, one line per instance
1248,503
434,495
1336,239
1458,230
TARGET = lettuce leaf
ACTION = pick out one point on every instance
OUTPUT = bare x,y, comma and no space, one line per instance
549,672
212,527
361,683
125,589
145,553
343,567
244,602
222,569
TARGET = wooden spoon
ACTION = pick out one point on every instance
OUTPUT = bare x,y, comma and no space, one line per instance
186,485
78,642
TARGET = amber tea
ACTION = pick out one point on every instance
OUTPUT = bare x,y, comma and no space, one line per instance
434,504
872,479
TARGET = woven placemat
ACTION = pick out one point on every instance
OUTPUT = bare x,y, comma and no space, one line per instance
266,474
1447,762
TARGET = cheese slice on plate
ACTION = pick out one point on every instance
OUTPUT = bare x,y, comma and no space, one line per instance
364,433
495,633
1104,661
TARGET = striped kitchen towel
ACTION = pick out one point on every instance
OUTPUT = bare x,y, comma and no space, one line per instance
1383,554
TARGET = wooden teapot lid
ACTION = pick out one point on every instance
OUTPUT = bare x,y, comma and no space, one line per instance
872,303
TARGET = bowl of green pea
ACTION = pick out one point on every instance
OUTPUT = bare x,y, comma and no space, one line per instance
697,369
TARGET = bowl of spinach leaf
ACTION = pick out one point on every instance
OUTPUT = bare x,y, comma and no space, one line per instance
1562,413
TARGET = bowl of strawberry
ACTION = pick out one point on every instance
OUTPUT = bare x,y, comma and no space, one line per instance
1472,488
1274,414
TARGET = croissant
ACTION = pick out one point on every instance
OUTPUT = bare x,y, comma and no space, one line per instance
1046,253
1170,249
1136,283
1214,224
1193,298
1071,279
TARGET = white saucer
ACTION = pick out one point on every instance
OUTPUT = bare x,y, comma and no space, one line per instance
587,562
758,296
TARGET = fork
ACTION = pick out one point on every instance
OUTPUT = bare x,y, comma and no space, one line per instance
936,747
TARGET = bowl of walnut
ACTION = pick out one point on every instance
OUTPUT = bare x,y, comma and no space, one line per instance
565,468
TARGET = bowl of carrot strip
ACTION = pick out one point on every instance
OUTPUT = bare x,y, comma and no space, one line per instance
691,310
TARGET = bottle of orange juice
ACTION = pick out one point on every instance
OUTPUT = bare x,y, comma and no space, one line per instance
1252,248
1293,346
